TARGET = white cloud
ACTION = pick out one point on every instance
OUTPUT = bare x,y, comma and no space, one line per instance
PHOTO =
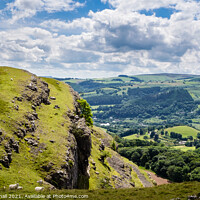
112,41
21,9
136,5
75,27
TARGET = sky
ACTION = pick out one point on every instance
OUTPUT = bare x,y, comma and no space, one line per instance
100,38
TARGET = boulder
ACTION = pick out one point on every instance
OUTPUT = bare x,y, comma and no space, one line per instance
56,107
32,87
19,99
101,146
16,107
5,161
53,98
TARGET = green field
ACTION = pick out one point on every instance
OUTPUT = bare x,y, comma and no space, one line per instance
134,136
184,130
184,148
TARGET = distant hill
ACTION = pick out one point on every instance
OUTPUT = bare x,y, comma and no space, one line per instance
142,100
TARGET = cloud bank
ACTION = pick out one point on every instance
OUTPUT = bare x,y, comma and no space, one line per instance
120,39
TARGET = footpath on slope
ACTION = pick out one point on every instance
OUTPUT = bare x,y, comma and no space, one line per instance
158,179
142,178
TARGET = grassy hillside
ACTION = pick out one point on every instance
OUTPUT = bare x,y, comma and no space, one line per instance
26,166
134,136
106,175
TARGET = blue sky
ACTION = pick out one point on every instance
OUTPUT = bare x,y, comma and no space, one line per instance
100,38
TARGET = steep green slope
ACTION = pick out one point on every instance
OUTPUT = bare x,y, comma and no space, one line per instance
46,142
115,171
43,136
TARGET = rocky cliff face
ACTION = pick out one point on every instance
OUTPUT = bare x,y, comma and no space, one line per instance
74,174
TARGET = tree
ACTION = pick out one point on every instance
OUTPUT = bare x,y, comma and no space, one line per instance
113,145
86,111
152,134
190,137
142,131
195,174
145,137
175,173
156,137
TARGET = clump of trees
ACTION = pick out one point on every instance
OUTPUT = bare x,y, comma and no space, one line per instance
175,165
86,111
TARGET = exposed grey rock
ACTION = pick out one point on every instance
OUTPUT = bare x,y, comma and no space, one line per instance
52,141
31,116
14,145
32,87
33,107
7,147
37,92
132,184
19,98
141,177
53,98
101,146
5,161
56,107
16,107
35,115
82,134
191,197
93,163
1,132
67,176
77,117
9,157
35,144
31,141
48,167
125,178
34,79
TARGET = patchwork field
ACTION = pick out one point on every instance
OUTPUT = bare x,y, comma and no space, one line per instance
185,131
